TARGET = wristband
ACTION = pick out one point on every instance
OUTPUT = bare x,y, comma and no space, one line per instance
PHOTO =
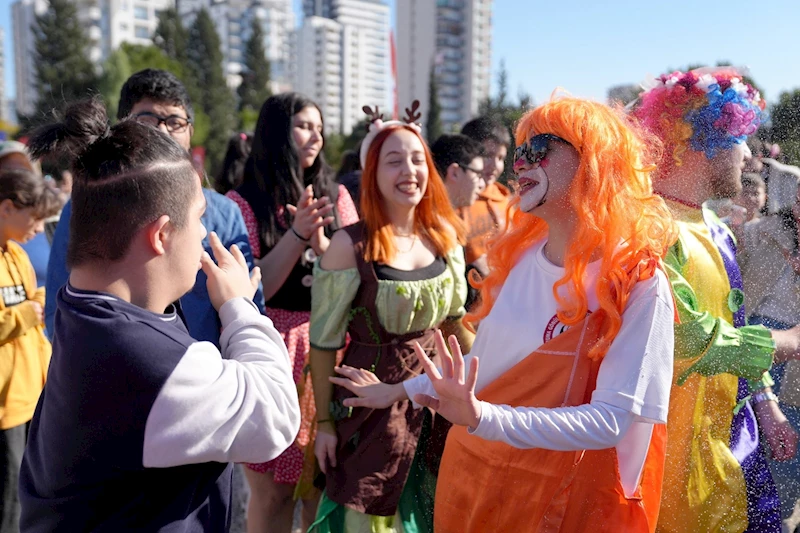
323,421
760,397
299,237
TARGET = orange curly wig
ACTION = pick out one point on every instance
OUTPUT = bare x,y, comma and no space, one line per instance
618,214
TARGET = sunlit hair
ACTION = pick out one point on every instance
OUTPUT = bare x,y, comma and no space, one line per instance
705,110
617,215
433,216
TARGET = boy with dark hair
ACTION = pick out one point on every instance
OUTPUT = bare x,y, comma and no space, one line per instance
157,98
138,424
459,161
488,213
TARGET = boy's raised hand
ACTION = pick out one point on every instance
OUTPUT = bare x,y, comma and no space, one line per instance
229,277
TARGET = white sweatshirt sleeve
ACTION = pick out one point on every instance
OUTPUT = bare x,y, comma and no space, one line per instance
241,408
591,426
419,385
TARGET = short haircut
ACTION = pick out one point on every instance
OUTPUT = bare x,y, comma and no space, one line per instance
487,129
751,179
153,84
126,177
454,148
26,188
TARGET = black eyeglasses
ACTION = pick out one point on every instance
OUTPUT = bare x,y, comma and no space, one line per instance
478,173
536,149
174,123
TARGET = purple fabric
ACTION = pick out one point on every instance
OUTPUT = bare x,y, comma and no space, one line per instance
763,504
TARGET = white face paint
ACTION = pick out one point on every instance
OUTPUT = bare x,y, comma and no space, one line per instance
533,186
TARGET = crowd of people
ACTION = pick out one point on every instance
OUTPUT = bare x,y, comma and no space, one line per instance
605,337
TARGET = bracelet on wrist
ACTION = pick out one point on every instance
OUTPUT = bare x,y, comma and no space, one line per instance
323,421
760,397
299,237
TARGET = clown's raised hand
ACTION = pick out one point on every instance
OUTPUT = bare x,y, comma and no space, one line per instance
455,390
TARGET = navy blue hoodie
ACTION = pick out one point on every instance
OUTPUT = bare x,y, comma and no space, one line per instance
138,422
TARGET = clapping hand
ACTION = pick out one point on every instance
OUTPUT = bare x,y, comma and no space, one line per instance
456,392
310,215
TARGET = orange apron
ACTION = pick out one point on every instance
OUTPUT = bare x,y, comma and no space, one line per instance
490,486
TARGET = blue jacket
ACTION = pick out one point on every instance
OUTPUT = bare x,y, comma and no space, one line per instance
222,216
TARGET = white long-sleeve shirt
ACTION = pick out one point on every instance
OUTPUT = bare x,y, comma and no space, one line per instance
633,382
237,407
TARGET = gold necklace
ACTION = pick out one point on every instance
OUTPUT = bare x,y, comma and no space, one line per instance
413,242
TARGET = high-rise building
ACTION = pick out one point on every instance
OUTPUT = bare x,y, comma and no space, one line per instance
454,38
318,73
3,104
23,19
343,59
129,21
233,19
108,23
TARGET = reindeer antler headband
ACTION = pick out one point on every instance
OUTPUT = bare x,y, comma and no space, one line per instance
376,124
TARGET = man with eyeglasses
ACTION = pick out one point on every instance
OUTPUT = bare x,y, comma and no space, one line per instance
460,162
159,99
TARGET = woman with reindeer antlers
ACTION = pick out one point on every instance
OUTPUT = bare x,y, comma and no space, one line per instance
387,281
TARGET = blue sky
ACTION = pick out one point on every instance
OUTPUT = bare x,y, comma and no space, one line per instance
586,46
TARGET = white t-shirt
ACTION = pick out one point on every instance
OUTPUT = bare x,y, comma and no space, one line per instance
633,381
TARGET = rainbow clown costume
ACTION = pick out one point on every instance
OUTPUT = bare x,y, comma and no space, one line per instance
716,477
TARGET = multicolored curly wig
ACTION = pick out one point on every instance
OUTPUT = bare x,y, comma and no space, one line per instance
619,217
433,216
705,110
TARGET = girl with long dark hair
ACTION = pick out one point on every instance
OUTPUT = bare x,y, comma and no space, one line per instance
291,204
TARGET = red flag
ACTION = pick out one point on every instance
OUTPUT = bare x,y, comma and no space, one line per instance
393,52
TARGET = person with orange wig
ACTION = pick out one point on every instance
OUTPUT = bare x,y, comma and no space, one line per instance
387,282
563,428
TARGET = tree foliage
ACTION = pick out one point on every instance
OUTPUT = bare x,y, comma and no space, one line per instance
171,36
624,94
254,89
337,144
205,65
64,71
505,112
433,122
785,125
116,69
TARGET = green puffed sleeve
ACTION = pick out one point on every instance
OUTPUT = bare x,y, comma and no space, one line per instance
458,265
332,294
715,345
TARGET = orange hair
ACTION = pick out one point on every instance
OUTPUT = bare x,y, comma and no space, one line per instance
617,214
433,215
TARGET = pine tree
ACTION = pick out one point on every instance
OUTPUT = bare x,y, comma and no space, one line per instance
255,74
205,63
502,84
433,123
64,72
171,36
116,69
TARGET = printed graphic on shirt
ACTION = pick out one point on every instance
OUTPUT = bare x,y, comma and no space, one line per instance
555,328
13,295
